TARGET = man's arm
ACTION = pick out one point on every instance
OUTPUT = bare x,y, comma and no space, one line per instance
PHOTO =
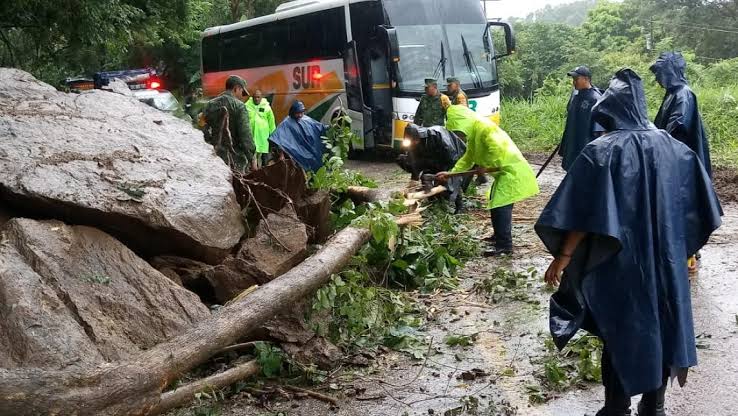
563,257
243,131
418,119
463,100
680,117
445,103
466,162
270,119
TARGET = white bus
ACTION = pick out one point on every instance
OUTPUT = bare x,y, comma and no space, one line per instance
368,56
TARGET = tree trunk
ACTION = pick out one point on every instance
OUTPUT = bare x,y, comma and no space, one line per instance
417,196
134,387
184,394
362,194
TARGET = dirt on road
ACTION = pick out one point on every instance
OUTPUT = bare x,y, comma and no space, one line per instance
496,372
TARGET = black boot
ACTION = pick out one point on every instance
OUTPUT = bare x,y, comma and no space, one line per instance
652,403
615,405
616,402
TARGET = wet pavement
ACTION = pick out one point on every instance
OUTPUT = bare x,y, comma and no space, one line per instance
509,338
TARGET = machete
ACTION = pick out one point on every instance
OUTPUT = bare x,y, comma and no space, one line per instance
556,150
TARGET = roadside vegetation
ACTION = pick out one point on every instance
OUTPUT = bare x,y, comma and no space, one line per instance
614,35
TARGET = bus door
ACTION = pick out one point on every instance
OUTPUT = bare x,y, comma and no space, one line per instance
379,92
359,112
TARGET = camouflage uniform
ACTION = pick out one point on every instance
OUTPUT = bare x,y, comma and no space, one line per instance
432,110
231,136
459,97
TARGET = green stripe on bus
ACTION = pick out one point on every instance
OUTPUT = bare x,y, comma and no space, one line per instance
319,112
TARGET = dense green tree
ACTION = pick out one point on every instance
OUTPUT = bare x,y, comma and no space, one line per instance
57,39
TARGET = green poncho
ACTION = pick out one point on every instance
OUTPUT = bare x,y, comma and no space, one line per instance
489,146
262,123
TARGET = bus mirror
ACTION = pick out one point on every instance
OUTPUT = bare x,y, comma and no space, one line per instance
509,37
389,35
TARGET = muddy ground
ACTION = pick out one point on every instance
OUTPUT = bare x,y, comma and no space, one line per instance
509,339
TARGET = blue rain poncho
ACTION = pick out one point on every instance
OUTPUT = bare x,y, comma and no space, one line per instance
301,139
678,114
579,129
646,204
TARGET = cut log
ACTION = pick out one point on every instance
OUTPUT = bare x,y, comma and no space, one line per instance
362,194
134,387
405,220
437,190
185,394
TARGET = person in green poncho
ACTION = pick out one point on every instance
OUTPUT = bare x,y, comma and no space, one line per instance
261,117
489,147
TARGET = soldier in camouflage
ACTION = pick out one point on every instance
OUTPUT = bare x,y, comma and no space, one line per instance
433,106
227,126
455,93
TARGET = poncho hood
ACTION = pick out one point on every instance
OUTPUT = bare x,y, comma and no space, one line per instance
669,70
461,118
623,105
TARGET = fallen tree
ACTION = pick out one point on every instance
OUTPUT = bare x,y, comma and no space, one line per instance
183,394
363,194
134,387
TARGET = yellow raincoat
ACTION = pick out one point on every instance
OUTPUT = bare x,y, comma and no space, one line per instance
489,146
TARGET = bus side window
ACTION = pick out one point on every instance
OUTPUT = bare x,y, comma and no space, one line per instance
211,54
314,36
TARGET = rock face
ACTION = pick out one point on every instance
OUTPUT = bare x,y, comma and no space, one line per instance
109,161
260,260
75,296
280,244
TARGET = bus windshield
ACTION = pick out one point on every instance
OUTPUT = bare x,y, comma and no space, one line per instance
438,38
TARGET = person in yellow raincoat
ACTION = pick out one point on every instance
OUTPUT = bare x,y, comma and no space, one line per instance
490,148
262,125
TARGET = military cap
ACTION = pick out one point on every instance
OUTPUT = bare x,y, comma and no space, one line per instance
234,80
431,81
451,80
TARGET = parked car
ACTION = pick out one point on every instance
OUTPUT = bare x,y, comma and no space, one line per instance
162,100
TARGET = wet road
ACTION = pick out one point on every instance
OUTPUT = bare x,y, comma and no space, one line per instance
510,337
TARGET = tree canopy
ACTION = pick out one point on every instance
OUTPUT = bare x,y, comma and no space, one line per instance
63,38
615,34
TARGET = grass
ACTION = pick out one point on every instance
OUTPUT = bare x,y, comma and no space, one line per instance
537,125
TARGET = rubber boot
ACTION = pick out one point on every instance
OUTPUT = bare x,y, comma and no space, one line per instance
652,403
616,402
615,405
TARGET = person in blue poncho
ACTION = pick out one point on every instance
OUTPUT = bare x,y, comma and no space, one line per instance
300,137
579,129
679,114
633,205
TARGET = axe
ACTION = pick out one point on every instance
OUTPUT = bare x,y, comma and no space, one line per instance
428,180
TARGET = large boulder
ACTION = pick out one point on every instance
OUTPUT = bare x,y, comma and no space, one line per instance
106,160
279,244
75,296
